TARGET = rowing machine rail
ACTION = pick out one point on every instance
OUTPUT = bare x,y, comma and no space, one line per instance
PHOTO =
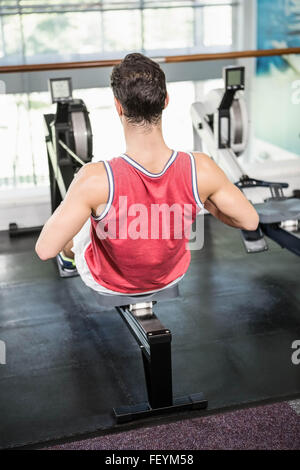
154,341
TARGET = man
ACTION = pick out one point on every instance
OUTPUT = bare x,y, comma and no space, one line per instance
127,259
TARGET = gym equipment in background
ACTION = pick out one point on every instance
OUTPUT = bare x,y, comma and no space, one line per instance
69,143
220,122
68,137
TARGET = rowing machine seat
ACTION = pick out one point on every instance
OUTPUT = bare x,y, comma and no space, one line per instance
276,211
108,300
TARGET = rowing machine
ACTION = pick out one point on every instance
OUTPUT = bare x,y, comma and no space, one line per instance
69,143
221,125
64,139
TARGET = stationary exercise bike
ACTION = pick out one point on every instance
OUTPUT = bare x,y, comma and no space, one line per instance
69,146
220,122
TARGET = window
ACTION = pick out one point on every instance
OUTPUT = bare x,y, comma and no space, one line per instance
122,31
66,34
168,28
21,135
11,39
217,26
35,31
65,30
22,130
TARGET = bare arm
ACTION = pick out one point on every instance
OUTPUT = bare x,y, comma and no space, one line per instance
87,192
221,197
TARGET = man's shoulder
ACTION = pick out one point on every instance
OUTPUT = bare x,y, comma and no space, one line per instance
206,165
93,173
209,175
93,168
202,159
92,182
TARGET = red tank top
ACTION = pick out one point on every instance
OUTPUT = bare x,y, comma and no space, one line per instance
139,242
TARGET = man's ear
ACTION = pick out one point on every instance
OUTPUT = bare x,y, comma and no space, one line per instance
167,100
118,107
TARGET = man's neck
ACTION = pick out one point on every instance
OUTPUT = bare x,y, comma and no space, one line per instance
146,144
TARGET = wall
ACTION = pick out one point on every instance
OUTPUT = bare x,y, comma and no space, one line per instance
277,121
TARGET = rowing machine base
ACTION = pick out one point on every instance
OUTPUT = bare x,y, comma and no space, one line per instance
124,414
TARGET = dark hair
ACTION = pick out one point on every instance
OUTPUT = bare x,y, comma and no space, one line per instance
140,85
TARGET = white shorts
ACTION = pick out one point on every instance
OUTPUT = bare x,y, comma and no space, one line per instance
80,243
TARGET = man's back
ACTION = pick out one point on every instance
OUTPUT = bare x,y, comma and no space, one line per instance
148,219
140,93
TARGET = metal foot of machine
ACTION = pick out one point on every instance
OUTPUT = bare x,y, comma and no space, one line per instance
63,272
254,241
15,231
154,341
220,122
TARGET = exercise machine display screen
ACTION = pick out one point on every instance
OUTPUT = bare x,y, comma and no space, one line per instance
235,78
60,88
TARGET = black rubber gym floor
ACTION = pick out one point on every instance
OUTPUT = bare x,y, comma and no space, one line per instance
70,361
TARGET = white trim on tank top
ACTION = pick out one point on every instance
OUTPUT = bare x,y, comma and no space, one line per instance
146,172
111,192
194,181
